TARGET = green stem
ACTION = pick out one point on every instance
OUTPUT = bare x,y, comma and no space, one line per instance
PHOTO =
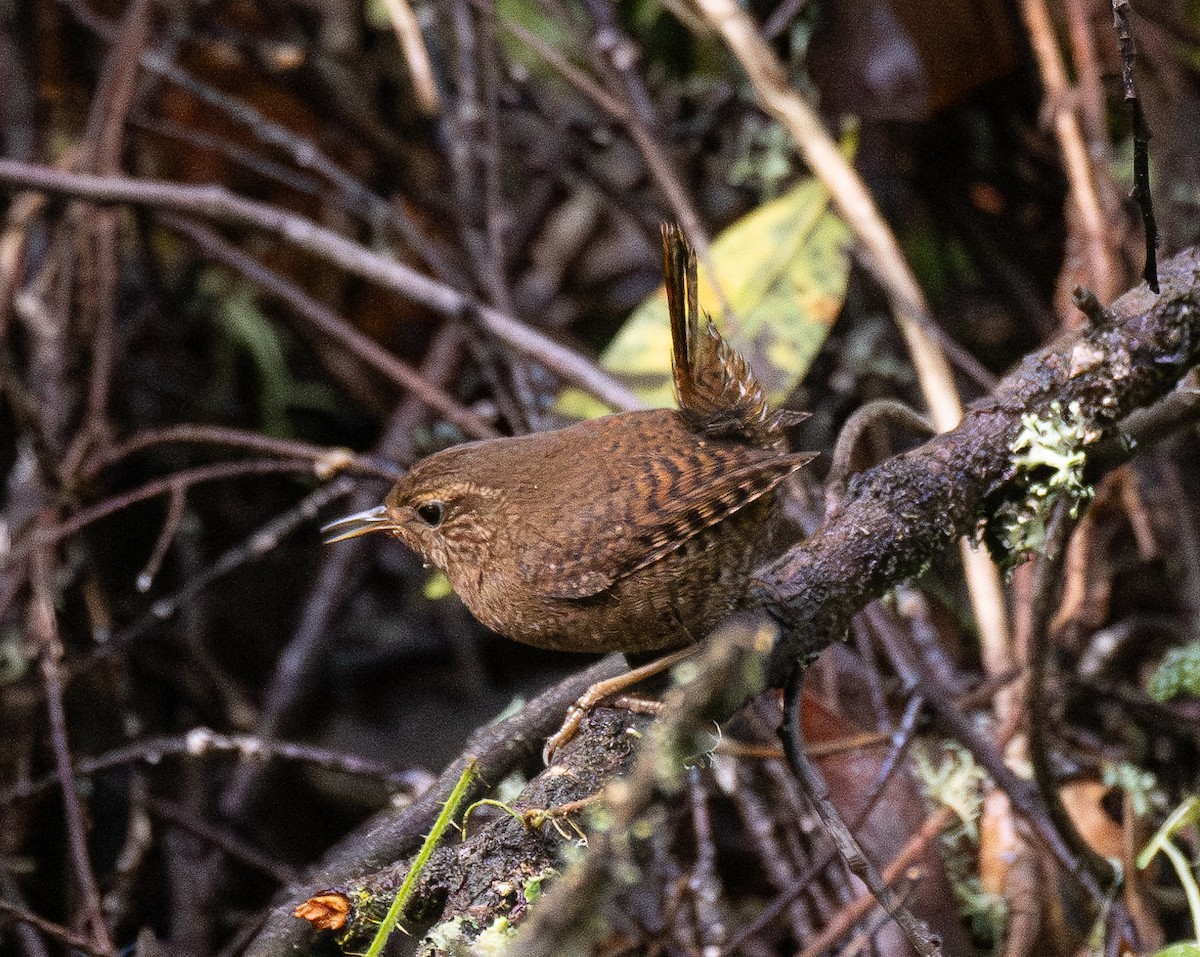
443,821
1184,870
492,802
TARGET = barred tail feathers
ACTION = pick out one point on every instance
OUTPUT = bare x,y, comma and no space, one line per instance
715,386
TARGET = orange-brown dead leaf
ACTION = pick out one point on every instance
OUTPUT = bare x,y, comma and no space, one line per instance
1082,799
328,911
852,777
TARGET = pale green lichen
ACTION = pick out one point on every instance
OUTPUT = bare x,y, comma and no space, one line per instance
461,937
450,937
1177,675
493,940
986,911
1048,457
510,788
956,782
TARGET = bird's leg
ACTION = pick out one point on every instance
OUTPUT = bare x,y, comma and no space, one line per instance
636,705
606,689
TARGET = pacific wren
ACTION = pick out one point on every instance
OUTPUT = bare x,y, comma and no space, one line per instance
633,532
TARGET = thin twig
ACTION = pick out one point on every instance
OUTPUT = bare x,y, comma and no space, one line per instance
170,526
113,98
63,935
43,627
473,153
1141,141
1102,263
261,541
1047,575
261,166
325,459
329,324
496,213
408,33
817,792
614,53
217,472
705,880
222,838
202,742
101,154
850,914
759,818
584,84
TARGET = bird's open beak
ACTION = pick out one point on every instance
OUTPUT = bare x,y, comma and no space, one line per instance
372,520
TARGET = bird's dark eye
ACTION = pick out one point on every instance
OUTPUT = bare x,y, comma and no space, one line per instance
432,513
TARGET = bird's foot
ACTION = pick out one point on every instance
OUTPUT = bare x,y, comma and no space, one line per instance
603,690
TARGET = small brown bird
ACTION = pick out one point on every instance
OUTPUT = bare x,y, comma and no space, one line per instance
633,532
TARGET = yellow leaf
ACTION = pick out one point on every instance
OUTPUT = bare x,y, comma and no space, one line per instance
783,269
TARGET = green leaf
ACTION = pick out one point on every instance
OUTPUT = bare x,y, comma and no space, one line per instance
783,271
249,331
437,586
